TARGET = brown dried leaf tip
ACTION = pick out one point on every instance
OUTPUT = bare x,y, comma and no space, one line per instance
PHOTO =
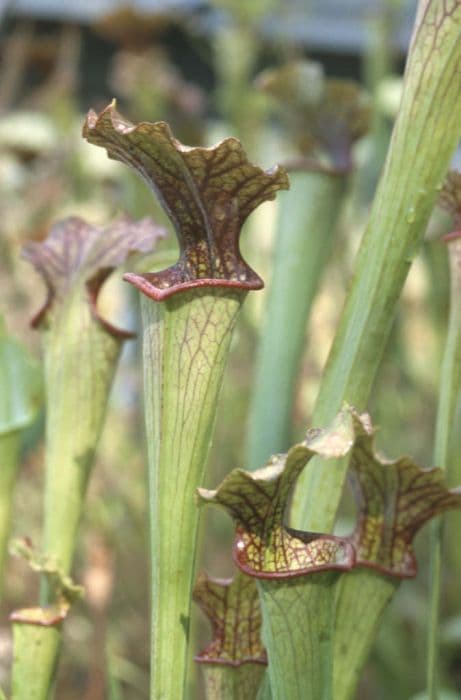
207,193
66,591
232,607
325,117
76,253
394,500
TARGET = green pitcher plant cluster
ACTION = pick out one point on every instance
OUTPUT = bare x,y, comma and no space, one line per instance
299,618
300,575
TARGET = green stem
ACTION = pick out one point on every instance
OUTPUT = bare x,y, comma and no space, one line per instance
35,653
307,219
227,683
452,551
449,391
186,342
265,692
80,360
362,597
9,458
298,633
424,138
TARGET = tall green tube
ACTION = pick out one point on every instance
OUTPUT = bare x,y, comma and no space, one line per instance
186,342
323,119
81,351
427,130
449,393
188,318
305,238
300,656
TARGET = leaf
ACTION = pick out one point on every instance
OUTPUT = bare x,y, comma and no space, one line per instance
20,379
46,616
207,193
394,500
263,546
46,565
77,253
232,607
66,591
325,117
